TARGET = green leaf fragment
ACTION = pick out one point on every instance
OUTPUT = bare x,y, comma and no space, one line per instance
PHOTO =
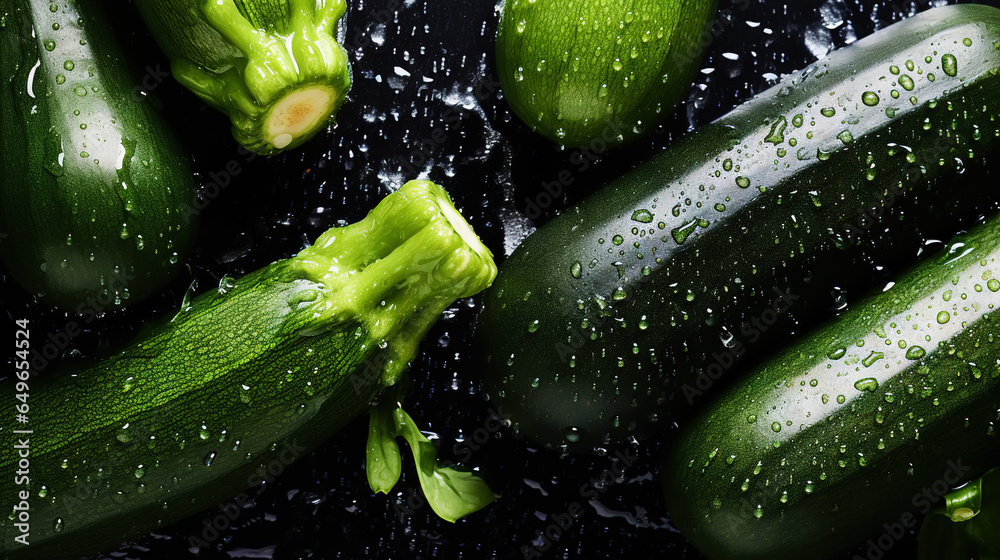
451,493
384,463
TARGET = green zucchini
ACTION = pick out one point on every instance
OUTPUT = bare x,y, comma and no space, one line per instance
577,72
273,66
96,192
626,309
262,369
859,428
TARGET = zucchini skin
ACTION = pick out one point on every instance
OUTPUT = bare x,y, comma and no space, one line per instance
247,57
607,320
840,435
580,71
97,193
264,368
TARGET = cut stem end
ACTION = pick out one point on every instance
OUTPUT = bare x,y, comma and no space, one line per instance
299,114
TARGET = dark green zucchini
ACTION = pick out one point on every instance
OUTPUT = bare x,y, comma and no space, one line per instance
259,371
860,428
273,66
577,72
96,192
626,309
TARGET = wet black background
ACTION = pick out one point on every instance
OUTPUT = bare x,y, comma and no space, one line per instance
425,70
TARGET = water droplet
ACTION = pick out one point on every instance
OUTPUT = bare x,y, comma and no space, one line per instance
777,134
533,326
993,285
643,216
208,459
894,69
870,98
828,111
943,317
867,384
68,65
80,90
742,182
841,399
810,488
846,137
906,82
50,45
967,42
572,434
619,294
872,358
59,525
140,471
123,434
776,426
576,270
836,353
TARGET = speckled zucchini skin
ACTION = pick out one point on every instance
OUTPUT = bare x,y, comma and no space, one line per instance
627,310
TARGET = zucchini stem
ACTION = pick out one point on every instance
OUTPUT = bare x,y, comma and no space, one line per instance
287,85
397,280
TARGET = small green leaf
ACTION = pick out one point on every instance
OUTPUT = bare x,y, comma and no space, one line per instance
451,493
384,462
965,527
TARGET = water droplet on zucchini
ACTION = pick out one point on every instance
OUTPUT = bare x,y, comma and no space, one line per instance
867,384
572,434
642,216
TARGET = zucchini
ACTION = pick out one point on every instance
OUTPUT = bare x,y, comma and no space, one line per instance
273,66
859,428
262,369
577,72
624,310
96,192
